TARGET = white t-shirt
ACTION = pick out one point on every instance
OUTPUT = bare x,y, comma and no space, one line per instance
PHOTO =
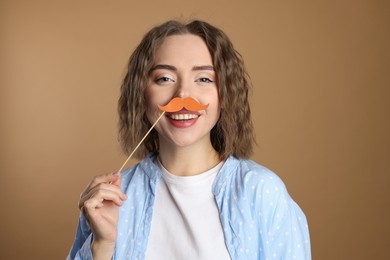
185,222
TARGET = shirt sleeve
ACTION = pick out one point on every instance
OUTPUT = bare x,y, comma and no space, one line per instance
81,249
286,229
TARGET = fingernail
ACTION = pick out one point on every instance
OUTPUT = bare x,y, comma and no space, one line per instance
116,173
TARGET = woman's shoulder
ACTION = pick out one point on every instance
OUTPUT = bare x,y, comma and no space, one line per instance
251,173
251,186
251,182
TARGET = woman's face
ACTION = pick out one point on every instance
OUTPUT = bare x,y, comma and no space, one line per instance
183,68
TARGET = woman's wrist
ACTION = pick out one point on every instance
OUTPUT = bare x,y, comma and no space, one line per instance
102,250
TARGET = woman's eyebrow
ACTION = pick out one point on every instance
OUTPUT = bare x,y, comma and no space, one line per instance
205,67
173,68
164,67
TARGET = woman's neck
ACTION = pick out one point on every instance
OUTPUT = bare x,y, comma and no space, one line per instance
189,160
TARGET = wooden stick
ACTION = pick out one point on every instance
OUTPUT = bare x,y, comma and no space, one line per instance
147,133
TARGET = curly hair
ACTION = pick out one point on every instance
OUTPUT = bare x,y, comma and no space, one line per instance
232,135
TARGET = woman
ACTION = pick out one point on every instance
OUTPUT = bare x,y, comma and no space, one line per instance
194,195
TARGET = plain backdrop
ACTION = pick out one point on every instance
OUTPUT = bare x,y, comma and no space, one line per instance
320,102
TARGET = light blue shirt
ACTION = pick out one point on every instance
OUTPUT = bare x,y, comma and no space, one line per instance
258,216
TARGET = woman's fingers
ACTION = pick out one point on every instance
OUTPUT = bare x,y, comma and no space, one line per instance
100,195
101,192
105,178
108,181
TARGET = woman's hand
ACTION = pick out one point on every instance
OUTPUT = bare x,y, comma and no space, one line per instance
100,203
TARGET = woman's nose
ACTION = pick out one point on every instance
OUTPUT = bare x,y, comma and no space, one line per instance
183,89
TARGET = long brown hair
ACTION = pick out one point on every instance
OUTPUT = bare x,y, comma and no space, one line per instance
232,135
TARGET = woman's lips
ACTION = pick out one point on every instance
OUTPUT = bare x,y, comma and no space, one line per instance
183,118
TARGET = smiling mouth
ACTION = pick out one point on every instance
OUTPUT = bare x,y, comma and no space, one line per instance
183,117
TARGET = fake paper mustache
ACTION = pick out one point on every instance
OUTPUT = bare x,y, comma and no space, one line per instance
177,104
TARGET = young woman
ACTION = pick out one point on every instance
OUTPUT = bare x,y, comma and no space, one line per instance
195,194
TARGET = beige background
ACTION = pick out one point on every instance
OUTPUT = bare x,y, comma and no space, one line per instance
320,71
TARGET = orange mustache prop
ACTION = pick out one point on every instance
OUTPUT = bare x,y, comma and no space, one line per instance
178,104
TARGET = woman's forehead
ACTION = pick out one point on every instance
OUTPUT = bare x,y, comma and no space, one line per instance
183,49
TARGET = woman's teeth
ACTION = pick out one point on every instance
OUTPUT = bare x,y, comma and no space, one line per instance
183,116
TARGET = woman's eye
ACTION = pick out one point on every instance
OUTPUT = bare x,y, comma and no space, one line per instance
205,80
162,80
